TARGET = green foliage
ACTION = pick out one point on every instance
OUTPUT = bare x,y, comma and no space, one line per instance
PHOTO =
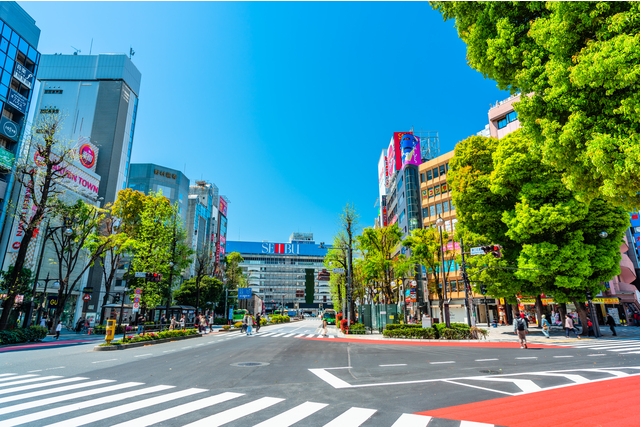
154,336
394,326
416,333
279,318
234,272
226,327
211,289
357,329
579,64
20,335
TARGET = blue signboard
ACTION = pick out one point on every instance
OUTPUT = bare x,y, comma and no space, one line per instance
23,75
17,101
9,128
244,293
231,313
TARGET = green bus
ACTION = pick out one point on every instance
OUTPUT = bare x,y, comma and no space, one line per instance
238,315
330,316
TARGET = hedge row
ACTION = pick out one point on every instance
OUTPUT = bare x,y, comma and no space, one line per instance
357,329
457,331
152,336
279,318
15,336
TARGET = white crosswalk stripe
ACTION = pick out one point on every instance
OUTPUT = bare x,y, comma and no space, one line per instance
615,345
152,405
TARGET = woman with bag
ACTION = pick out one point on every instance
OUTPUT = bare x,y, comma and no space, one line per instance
546,326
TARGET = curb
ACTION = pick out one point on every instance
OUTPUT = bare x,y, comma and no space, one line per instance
142,343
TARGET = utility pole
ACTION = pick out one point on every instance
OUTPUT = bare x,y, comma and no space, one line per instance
466,283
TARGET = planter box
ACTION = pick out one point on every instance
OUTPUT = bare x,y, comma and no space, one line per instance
141,343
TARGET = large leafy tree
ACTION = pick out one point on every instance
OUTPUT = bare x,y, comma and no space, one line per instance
209,291
579,64
234,272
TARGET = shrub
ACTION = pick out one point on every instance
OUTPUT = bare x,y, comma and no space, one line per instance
20,335
357,329
263,321
343,324
393,326
226,327
279,318
413,332
220,321
238,324
152,336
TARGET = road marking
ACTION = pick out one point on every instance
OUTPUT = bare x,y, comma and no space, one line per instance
412,420
288,335
527,386
278,335
395,364
5,375
485,360
440,363
331,379
184,348
299,335
30,380
528,357
293,416
478,387
633,352
49,390
147,354
123,409
352,417
177,411
106,360
168,351
594,355
575,378
558,357
233,414
267,334
37,370
14,390
331,336
17,377
311,335
474,424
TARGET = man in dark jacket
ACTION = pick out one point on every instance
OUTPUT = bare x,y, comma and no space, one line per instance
610,322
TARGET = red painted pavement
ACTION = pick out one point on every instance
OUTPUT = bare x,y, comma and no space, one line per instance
32,346
608,403
478,344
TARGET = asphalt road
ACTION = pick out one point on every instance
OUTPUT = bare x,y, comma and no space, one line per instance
236,380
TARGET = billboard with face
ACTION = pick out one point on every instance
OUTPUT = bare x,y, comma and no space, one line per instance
410,146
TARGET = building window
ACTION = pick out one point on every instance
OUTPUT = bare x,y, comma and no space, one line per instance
435,173
509,118
49,111
53,91
446,206
425,212
429,175
422,177
432,210
441,170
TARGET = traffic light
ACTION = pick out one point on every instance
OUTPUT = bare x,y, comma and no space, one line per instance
588,295
483,289
495,250
116,299
486,249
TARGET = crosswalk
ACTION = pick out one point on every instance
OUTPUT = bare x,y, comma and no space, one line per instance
54,401
622,346
293,335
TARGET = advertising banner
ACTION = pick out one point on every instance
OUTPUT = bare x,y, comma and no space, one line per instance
410,149
9,129
391,161
17,101
23,75
222,207
6,159
87,153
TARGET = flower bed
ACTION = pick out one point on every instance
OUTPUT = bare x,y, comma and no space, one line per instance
153,336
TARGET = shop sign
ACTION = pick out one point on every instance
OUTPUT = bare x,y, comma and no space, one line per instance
532,301
23,75
9,128
605,300
17,101
6,159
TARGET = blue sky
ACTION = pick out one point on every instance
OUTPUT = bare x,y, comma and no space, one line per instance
285,106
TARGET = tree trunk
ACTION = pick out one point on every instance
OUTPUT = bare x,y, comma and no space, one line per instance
583,315
539,309
7,305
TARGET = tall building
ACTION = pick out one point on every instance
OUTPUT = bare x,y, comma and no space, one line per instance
19,62
97,97
200,211
285,273
152,178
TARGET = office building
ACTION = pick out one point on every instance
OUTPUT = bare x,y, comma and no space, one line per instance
286,273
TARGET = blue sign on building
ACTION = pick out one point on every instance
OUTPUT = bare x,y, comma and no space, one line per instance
17,101
244,293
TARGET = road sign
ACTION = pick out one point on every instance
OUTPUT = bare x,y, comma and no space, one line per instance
136,306
136,299
477,251
141,274
138,291
244,293
338,271
86,297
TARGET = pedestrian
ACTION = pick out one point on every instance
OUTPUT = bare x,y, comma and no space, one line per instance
203,324
182,322
569,326
610,322
141,324
324,326
79,324
172,323
248,321
58,329
258,318
590,324
163,320
545,325
43,322
520,329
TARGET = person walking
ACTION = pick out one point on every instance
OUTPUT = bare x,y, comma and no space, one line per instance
43,322
569,326
172,323
58,329
324,325
247,320
610,322
545,325
520,329
182,322
258,322
163,321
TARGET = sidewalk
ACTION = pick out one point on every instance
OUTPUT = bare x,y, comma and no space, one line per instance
506,334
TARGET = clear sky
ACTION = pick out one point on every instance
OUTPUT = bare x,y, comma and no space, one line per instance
285,106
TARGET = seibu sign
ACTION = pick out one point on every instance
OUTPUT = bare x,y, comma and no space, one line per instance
280,248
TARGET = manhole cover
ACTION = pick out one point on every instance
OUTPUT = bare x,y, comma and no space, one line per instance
249,364
487,371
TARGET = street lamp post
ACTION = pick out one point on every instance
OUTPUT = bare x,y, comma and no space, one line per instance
446,304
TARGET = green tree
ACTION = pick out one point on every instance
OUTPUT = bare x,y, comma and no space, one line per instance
210,290
579,64
234,272
76,251
336,257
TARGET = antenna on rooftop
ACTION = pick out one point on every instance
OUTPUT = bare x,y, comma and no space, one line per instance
131,52
77,51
